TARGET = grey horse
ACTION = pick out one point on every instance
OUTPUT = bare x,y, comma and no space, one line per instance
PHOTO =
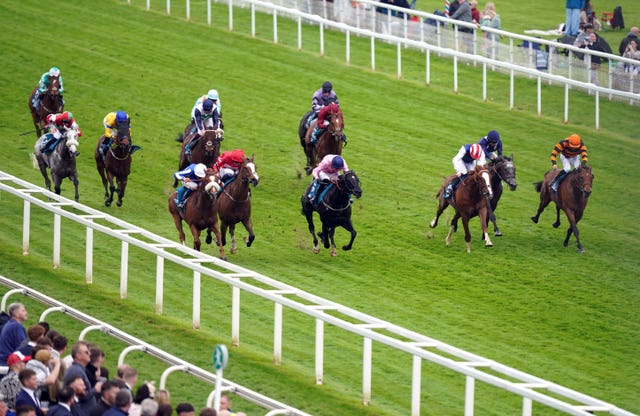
61,161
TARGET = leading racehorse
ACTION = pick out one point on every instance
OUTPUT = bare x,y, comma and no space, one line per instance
470,198
572,197
115,163
205,151
234,204
50,103
501,169
334,208
330,142
61,161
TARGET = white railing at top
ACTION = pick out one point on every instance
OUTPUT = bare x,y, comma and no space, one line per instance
419,347
365,22
136,344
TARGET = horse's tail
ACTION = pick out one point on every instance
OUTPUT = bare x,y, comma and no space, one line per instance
34,160
538,186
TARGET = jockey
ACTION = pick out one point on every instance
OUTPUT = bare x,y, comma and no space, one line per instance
228,164
213,96
113,122
321,125
323,96
571,151
491,145
43,84
204,115
327,171
469,156
58,124
190,177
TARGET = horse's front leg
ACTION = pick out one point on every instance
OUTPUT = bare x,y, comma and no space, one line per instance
195,232
331,238
112,190
349,227
223,233
485,228
312,229
467,233
216,231
248,225
232,234
122,185
452,228
45,175
103,177
573,228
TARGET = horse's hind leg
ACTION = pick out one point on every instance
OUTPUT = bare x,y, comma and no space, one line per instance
232,234
122,185
557,223
544,201
312,229
452,228
248,225
330,238
442,205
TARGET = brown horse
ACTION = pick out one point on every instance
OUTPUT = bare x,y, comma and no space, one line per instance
501,169
205,151
234,204
50,103
329,142
116,163
199,213
470,198
572,197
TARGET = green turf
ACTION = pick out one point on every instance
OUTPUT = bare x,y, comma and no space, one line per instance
527,302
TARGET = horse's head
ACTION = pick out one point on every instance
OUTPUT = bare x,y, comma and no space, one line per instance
484,181
123,141
584,179
210,184
71,143
211,141
350,183
336,122
504,167
248,172
54,85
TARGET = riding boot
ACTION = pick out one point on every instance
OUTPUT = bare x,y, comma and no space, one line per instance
556,181
316,133
312,192
180,195
134,148
344,138
105,146
451,187
36,100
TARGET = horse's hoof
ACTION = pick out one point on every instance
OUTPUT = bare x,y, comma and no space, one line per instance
107,203
346,248
534,219
223,258
556,224
488,244
334,253
316,250
234,250
119,203
581,250
432,224
208,239
249,241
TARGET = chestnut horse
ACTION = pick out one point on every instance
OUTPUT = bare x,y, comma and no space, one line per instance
234,204
501,169
334,208
116,163
199,213
62,161
572,197
205,151
470,199
50,103
329,142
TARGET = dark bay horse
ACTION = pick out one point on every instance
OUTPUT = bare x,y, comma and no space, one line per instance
116,163
502,169
199,213
572,197
50,103
329,142
234,204
205,151
471,198
334,209
61,162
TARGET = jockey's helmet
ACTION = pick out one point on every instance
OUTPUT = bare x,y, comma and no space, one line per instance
237,156
200,170
207,105
337,162
327,87
475,151
574,141
493,136
213,95
54,71
121,116
67,117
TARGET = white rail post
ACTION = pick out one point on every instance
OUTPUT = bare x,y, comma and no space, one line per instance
399,59
26,224
539,95
124,265
511,89
299,21
168,7
527,406
428,65
159,284
196,300
56,241
88,270
566,103
319,351
188,9
469,396
277,334
253,20
484,81
416,384
366,371
231,15
321,39
235,316
373,53
597,110
208,12
275,26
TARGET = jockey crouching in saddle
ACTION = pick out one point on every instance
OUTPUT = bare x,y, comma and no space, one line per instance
228,165
322,99
114,122
190,177
325,173
58,124
491,145
571,151
469,156
204,115
43,85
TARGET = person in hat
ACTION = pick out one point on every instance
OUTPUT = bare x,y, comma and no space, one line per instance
114,122
228,164
190,177
43,85
13,333
214,96
10,384
41,363
58,125
204,115
468,157
572,152
491,145
326,172
323,96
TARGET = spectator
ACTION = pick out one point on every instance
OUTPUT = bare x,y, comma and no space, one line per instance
129,375
107,398
164,409
463,13
45,375
149,407
10,384
34,333
587,16
79,388
596,43
490,19
162,396
122,404
225,407
4,410
632,35
25,410
208,411
81,357
146,391
475,13
185,409
399,3
13,332
65,399
60,343
572,23
27,393
632,52
95,370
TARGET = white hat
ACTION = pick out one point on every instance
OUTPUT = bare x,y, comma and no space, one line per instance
213,95
200,170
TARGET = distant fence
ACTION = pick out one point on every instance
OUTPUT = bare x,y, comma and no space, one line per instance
445,38
419,347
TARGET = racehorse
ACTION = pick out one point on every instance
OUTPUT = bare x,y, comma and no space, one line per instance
116,163
329,142
205,151
234,204
62,161
50,103
470,198
572,197
334,208
501,169
199,213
